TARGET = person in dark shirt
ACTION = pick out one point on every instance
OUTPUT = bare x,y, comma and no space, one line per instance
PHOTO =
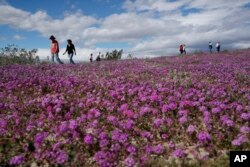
71,51
91,57
98,58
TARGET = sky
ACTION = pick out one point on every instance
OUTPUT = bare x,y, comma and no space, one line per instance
143,28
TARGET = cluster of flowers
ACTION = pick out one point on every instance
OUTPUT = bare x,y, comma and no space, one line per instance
125,113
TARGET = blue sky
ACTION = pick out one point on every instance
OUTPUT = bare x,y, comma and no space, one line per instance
56,9
145,28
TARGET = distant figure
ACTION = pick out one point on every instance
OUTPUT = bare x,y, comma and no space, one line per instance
181,49
91,57
218,46
71,51
54,49
37,60
47,58
184,49
98,58
210,46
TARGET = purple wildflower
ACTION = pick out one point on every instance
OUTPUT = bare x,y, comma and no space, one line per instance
88,139
72,124
191,129
183,119
131,149
171,145
39,138
103,143
129,161
179,153
158,149
158,122
240,140
17,160
183,112
62,157
245,116
204,137
245,129
216,110
63,127
123,138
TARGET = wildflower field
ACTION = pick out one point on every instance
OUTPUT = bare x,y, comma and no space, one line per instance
167,111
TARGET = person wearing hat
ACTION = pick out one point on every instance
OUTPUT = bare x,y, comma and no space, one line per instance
54,49
71,51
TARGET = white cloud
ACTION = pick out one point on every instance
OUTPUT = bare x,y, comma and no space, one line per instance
18,37
151,27
70,26
156,5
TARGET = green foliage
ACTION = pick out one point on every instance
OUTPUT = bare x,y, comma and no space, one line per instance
114,55
12,54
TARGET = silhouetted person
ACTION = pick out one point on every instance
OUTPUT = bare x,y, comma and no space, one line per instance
218,46
184,49
91,57
210,46
98,58
181,49
54,49
71,51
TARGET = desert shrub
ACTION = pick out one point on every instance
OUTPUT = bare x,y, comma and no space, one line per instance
12,54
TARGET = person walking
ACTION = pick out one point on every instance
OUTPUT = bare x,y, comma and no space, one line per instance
181,49
91,58
98,58
71,51
210,46
218,46
184,49
54,49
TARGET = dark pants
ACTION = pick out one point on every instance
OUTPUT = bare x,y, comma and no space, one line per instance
210,49
218,49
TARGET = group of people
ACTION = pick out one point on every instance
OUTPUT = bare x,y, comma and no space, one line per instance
98,58
210,46
182,47
55,50
70,49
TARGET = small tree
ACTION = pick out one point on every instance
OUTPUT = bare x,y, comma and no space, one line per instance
12,54
114,55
